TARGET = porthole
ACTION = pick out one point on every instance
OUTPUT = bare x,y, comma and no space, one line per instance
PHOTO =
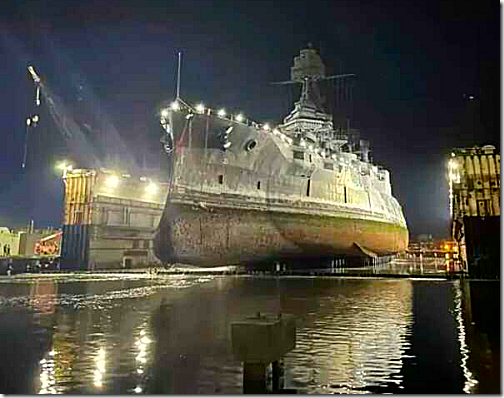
250,145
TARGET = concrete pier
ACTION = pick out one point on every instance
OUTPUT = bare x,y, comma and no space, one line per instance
259,341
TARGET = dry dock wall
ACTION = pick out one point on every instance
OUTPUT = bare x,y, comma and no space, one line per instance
474,183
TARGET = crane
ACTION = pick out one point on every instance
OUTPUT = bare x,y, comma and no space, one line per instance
33,120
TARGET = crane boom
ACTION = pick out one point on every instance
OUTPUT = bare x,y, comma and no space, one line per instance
33,74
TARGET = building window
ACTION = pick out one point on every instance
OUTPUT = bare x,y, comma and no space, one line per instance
104,216
126,216
221,179
258,184
136,244
328,166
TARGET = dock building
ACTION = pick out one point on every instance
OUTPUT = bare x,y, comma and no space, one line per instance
110,217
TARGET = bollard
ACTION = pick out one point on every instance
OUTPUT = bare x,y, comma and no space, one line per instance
257,342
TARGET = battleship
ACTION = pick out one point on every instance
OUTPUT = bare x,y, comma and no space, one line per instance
244,193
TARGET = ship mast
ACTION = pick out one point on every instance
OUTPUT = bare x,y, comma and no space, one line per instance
308,69
178,75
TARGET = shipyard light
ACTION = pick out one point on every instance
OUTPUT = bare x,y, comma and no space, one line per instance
276,132
310,147
222,112
282,136
112,181
302,143
200,108
164,113
239,118
322,153
290,140
334,156
453,155
266,127
151,189
35,118
175,105
28,121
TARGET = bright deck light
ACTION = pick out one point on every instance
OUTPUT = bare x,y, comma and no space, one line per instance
112,181
164,113
239,118
222,113
200,108
175,106
276,132
266,127
151,189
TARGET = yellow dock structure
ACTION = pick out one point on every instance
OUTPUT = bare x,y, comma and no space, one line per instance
474,190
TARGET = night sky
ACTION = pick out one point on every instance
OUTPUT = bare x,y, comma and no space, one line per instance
112,62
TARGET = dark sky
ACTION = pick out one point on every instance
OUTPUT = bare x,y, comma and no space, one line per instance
417,63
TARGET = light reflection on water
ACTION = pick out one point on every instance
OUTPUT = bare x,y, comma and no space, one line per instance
470,382
171,335
359,341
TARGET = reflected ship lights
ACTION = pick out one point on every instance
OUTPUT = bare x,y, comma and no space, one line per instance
100,368
142,344
47,382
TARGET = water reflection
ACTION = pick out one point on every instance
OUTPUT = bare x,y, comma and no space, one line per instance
357,340
470,382
172,335
478,318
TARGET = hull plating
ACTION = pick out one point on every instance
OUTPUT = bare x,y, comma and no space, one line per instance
215,236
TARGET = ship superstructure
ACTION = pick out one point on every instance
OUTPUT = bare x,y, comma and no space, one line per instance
243,192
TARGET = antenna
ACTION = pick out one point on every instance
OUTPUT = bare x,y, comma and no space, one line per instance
178,74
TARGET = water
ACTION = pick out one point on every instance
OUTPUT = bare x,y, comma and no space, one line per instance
171,334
